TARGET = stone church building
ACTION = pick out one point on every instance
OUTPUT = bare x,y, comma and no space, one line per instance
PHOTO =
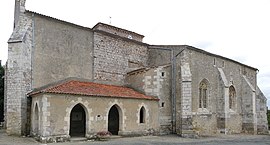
65,80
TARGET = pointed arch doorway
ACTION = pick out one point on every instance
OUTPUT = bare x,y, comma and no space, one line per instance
77,121
113,120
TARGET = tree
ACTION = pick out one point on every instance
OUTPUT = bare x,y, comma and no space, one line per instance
2,73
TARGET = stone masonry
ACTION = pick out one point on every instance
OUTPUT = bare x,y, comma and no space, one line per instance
196,93
113,56
19,72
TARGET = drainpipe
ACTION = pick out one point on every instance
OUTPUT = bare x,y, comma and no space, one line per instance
173,82
173,90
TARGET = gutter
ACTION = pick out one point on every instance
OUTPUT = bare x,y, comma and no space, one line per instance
173,89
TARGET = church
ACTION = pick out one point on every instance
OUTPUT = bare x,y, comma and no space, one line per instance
64,80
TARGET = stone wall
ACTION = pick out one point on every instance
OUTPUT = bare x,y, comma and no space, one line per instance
221,73
195,65
115,56
61,50
155,81
261,111
54,115
159,55
18,76
186,120
249,104
118,31
5,96
55,46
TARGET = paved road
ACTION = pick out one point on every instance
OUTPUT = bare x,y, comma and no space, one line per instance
176,140
152,140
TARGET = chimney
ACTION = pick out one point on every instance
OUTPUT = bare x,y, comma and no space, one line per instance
19,8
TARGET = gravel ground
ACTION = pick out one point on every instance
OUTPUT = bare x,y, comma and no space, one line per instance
15,140
151,140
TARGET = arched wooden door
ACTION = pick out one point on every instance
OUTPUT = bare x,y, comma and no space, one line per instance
77,121
113,120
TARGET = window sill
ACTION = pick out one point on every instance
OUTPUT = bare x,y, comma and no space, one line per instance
203,111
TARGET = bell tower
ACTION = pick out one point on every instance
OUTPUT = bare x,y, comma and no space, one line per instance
18,73
18,10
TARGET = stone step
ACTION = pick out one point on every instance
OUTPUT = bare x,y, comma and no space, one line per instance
75,139
115,136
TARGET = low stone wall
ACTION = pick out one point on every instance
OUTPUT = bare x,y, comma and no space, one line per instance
52,139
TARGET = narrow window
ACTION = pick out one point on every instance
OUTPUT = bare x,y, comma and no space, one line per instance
162,74
36,120
142,115
232,97
203,94
200,98
204,98
162,104
214,61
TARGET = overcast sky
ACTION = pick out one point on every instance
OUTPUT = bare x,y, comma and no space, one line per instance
237,29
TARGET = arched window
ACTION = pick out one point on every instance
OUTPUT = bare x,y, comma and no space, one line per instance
142,115
36,119
203,94
232,97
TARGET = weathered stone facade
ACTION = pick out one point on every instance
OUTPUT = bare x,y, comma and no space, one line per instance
19,71
262,123
51,130
194,66
199,93
155,81
70,56
115,56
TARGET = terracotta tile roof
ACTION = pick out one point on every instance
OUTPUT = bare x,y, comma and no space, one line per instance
75,87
